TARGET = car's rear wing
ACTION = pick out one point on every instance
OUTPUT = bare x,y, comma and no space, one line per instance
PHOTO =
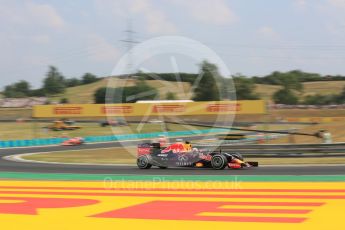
147,148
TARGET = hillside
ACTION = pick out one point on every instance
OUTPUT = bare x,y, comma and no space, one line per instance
182,90
323,87
310,88
84,93
266,91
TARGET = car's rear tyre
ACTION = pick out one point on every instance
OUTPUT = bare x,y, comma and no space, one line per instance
144,162
219,162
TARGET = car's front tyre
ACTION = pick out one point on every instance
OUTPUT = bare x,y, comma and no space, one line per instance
219,162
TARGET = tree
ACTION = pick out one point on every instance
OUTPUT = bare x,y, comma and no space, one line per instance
23,87
290,80
10,92
285,96
341,97
170,96
329,99
208,88
244,88
37,93
54,83
89,78
320,99
17,90
99,95
72,82
294,77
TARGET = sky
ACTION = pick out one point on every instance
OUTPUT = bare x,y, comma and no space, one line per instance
252,37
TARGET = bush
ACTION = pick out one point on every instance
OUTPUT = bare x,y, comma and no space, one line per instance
72,82
64,101
37,93
141,91
285,96
17,90
245,88
184,77
89,78
170,96
99,95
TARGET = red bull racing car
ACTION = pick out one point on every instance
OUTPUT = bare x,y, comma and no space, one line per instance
183,155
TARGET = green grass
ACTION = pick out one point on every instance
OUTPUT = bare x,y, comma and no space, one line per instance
15,113
279,126
28,130
82,94
128,156
96,156
266,91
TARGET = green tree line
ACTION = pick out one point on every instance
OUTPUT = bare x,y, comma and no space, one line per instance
211,86
53,83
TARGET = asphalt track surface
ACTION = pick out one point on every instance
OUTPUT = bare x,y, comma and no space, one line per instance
12,166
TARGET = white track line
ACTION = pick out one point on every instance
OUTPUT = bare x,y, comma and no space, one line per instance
18,158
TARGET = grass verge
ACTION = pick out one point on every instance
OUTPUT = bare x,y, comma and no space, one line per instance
29,130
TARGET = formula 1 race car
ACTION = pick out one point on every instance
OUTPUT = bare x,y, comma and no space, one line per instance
73,141
183,155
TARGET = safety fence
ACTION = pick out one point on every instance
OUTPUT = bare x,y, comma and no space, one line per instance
120,137
251,139
336,149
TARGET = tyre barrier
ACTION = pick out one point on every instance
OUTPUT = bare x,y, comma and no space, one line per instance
120,137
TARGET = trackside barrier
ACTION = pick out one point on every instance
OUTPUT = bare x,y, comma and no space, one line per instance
121,137
280,149
250,139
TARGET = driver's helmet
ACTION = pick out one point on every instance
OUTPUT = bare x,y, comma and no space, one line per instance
81,139
162,140
188,146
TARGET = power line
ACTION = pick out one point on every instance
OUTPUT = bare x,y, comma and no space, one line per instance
129,41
